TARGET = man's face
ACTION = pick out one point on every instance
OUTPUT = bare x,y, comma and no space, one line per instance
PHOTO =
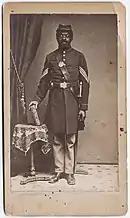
64,39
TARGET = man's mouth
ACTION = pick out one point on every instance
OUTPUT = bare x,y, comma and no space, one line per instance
64,44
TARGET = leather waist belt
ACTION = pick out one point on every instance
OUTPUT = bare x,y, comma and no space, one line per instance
64,85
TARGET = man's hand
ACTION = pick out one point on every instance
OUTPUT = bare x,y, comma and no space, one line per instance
33,103
82,115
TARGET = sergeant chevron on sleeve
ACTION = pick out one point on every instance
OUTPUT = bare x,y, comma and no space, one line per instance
65,76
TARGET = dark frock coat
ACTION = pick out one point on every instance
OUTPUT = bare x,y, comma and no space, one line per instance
63,105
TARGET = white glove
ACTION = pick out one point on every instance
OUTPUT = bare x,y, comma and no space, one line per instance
33,103
82,115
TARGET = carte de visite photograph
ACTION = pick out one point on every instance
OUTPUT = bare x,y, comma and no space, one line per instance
64,95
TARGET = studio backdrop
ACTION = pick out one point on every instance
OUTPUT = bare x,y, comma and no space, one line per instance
96,37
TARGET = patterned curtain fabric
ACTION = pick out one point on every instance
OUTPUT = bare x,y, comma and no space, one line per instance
25,33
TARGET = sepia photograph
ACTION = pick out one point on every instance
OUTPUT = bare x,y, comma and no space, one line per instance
66,109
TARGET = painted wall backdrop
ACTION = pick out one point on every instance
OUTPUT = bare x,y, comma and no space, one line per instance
96,37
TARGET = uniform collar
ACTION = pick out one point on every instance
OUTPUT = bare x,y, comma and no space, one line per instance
66,50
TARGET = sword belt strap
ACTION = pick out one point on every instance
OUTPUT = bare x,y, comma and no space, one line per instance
64,85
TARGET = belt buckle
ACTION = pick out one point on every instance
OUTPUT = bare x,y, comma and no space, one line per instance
63,85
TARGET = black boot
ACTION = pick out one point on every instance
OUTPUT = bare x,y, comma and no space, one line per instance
55,178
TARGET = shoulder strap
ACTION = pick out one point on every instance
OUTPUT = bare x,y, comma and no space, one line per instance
63,68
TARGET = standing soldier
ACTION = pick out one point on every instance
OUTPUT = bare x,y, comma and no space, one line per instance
65,70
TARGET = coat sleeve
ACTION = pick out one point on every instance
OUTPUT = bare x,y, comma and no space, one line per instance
84,78
44,82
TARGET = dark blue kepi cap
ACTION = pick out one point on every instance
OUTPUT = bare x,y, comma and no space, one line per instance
63,27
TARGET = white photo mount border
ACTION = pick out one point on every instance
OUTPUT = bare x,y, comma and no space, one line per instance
69,203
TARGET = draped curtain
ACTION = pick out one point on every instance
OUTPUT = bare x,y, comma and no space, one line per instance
25,33
25,39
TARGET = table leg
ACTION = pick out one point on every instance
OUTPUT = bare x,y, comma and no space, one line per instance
32,173
32,170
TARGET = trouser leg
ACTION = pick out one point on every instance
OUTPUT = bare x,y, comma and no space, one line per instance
70,153
58,152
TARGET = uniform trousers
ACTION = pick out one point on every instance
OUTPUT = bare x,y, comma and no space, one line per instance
64,153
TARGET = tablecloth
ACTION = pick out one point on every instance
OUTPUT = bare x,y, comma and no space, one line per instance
25,135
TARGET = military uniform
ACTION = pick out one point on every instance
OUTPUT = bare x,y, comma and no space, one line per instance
63,103
62,110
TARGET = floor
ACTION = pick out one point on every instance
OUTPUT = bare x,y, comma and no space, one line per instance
89,178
